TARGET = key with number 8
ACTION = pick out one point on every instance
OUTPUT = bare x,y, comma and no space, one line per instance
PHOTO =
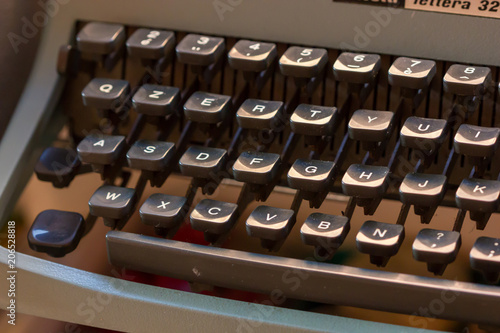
467,80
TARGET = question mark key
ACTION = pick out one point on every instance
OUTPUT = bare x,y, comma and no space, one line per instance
437,248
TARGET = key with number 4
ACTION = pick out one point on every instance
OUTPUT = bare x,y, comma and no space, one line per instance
252,56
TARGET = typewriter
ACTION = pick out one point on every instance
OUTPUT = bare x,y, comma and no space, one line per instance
257,166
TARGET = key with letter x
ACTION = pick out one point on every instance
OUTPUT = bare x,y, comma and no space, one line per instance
164,212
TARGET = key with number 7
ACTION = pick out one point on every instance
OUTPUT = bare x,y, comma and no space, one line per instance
411,73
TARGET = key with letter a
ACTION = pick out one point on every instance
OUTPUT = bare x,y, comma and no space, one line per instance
100,149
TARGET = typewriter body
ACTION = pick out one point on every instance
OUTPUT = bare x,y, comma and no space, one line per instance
259,165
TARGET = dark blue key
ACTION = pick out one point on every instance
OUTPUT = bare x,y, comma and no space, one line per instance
325,231
310,175
105,94
313,120
380,240
207,108
156,100
214,217
259,114
58,166
56,232
437,248
163,211
150,43
150,155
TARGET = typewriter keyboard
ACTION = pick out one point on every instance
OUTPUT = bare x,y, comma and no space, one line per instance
220,151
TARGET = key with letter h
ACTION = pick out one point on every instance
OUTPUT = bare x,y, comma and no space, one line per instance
366,184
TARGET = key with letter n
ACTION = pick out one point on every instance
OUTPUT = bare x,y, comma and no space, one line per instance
380,240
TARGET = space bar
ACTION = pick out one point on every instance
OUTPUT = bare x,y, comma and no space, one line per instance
306,280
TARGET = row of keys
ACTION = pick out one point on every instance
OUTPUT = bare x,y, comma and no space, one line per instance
365,125
299,62
381,241
362,181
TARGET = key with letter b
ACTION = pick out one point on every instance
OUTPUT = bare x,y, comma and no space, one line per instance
325,232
